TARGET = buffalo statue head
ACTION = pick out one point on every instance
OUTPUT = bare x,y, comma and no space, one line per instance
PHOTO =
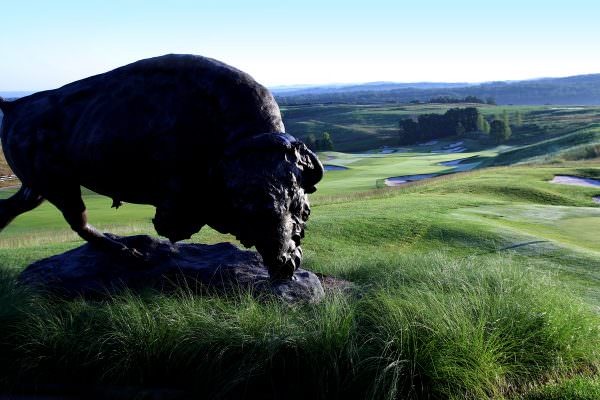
264,181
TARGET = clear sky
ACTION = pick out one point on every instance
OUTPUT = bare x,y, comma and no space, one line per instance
45,44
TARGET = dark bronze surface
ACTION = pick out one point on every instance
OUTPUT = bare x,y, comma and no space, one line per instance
201,141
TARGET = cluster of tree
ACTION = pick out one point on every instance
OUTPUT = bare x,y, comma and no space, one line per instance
466,99
324,143
455,121
482,124
500,128
500,131
518,118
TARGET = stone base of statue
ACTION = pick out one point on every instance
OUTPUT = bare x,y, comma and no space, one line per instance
221,268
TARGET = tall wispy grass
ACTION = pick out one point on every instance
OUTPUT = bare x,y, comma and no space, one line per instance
455,330
416,326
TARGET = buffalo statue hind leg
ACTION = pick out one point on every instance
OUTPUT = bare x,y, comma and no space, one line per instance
70,203
24,200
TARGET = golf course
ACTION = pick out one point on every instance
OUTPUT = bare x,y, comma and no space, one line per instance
477,279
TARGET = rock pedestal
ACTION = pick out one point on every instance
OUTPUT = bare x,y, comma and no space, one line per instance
90,272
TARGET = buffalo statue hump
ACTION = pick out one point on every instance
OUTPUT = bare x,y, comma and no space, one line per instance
198,139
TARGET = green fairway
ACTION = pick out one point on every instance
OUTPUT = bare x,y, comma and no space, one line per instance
364,170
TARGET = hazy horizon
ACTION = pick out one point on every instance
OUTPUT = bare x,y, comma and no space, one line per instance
293,86
48,44
426,81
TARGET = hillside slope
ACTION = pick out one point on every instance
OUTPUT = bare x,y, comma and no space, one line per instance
579,145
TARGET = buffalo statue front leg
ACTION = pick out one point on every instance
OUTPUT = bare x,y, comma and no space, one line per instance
263,183
281,263
281,249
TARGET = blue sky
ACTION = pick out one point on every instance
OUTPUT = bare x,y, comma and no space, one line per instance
45,44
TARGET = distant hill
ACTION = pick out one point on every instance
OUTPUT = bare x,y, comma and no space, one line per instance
579,89
296,90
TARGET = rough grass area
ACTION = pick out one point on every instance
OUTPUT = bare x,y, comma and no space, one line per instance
579,388
574,146
419,326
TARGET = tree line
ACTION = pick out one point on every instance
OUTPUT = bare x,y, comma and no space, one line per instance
435,126
456,122
466,99
324,143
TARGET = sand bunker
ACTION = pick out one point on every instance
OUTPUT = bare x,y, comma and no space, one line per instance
451,150
333,168
575,181
453,162
400,180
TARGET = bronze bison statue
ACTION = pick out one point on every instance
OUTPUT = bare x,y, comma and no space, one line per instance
198,139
